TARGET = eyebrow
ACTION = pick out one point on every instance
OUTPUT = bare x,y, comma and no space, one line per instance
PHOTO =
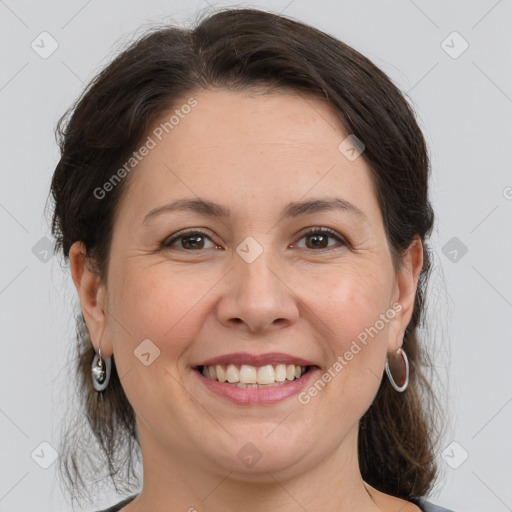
295,209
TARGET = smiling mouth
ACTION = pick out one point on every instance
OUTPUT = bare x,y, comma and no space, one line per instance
248,376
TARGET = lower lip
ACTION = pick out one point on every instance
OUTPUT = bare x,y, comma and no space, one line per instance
257,396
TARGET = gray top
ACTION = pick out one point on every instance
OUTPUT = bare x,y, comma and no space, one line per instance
425,505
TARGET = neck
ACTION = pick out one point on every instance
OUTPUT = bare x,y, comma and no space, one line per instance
182,481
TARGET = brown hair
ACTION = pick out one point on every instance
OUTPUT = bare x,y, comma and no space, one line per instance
238,49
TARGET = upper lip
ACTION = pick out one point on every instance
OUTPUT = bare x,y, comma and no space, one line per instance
239,358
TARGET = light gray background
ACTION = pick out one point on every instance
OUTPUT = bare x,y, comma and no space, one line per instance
464,105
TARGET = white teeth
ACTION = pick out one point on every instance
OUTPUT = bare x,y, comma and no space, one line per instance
280,373
221,374
240,385
252,376
232,374
266,374
248,374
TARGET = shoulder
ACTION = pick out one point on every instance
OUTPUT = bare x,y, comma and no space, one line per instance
388,502
427,506
118,506
423,504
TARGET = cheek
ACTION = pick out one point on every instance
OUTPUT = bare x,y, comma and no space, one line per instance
354,315
147,304
160,304
155,299
351,301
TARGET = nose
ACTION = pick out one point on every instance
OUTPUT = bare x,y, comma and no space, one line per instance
256,296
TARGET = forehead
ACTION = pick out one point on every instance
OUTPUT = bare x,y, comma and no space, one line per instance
246,147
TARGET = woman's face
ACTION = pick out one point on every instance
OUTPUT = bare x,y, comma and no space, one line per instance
251,283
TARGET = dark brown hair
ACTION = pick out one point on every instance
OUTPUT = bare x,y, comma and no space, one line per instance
236,49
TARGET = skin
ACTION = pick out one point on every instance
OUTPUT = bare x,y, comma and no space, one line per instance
253,153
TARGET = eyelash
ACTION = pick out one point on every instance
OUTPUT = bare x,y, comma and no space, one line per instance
168,242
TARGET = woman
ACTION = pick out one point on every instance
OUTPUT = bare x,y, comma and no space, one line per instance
244,206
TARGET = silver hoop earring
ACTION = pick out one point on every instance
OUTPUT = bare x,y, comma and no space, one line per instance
400,368
100,371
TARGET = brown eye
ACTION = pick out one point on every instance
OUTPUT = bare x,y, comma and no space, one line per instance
193,242
190,240
318,238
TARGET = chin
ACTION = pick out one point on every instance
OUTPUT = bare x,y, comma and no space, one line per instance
252,456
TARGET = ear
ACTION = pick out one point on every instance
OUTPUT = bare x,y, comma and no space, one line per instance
92,295
405,292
